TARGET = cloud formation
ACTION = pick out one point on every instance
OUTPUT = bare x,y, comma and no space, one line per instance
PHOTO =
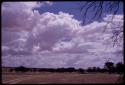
19,16
55,40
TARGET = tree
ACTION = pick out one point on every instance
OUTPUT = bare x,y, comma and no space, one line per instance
80,70
89,69
99,8
109,66
119,67
94,69
98,69
21,69
70,69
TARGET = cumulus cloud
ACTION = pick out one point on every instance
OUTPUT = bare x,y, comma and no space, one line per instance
19,16
56,38
111,17
53,28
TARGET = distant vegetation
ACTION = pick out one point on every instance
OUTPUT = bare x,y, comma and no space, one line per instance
108,67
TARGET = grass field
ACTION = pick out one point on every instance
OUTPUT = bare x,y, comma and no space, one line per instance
57,78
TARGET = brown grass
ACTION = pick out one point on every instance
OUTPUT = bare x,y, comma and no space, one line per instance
61,78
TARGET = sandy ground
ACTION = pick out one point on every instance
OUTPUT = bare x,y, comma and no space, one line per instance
57,78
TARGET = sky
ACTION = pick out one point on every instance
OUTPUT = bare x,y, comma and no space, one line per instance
51,35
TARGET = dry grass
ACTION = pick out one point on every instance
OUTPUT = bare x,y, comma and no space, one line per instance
61,78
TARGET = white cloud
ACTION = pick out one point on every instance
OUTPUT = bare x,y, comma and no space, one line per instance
52,28
54,35
19,16
115,18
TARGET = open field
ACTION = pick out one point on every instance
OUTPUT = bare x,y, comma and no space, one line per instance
60,78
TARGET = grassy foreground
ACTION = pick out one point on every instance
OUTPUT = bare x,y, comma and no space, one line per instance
58,78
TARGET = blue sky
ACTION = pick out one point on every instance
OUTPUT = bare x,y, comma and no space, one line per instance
68,7
74,8
52,35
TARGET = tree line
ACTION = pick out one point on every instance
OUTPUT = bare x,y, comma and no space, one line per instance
109,67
